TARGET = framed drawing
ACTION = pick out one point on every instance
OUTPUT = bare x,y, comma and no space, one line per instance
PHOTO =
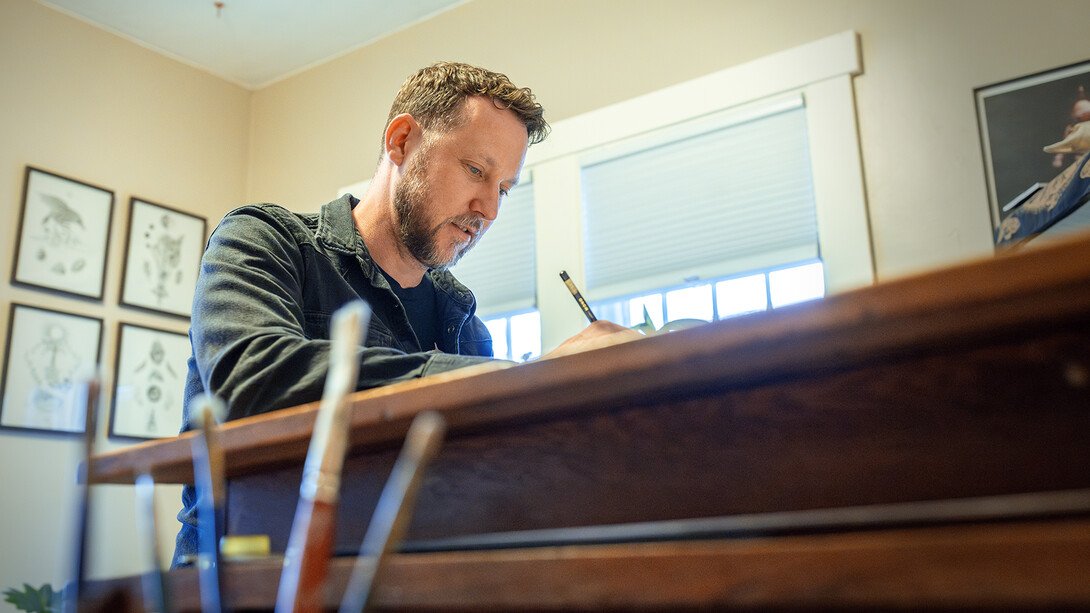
46,354
149,381
64,228
162,257
1028,127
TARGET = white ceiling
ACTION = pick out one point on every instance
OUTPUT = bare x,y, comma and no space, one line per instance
252,42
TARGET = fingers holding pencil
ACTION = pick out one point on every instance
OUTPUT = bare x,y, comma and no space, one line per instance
598,334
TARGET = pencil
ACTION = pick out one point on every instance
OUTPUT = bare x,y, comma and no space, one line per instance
578,297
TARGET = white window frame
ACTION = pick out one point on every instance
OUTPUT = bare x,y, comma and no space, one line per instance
820,71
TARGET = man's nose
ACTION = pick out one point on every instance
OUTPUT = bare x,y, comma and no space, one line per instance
487,204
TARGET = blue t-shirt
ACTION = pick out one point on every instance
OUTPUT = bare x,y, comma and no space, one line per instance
419,303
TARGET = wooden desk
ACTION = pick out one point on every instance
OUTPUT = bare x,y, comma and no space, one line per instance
962,383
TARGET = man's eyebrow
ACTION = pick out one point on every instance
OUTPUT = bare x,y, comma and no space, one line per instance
487,159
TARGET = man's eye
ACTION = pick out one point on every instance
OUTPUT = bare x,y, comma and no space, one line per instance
503,193
475,170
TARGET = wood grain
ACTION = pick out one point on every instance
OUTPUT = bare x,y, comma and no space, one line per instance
1026,566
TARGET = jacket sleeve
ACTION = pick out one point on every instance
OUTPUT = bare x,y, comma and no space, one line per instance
247,331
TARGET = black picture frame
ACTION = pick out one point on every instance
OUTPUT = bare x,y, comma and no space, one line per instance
48,352
149,382
1017,119
64,235
163,251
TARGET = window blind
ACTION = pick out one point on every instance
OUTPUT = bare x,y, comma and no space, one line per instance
728,198
500,269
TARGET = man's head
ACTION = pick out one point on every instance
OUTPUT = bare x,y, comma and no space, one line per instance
435,96
457,135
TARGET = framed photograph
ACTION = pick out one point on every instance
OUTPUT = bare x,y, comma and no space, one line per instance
149,381
162,257
1027,126
64,230
47,353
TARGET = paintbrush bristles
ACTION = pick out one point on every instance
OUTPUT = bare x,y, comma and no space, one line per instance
205,411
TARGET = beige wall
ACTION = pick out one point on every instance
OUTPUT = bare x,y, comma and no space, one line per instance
87,104
922,58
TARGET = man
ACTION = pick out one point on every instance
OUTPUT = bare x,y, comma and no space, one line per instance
454,144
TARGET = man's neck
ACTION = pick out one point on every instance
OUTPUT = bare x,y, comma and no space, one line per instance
375,221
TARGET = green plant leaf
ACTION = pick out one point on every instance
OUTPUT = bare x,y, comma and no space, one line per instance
32,600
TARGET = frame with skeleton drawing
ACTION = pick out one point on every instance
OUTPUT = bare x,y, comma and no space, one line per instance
64,230
48,354
162,258
149,382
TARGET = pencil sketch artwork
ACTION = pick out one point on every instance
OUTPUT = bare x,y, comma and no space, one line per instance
59,237
164,253
48,353
150,383
64,232
161,262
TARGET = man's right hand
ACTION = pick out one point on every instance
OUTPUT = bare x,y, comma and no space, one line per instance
598,334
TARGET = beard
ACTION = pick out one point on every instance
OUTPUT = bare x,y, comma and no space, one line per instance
421,238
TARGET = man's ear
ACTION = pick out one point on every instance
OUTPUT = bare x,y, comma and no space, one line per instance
403,135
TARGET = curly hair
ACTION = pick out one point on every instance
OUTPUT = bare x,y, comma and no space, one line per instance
435,96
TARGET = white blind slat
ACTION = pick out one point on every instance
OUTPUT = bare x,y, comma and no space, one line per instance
731,193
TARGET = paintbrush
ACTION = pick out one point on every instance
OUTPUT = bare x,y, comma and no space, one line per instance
155,598
394,509
208,476
310,544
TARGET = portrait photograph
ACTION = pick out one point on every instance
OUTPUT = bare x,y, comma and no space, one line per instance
149,380
48,354
64,229
162,258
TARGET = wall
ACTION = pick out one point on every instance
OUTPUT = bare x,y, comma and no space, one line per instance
89,105
922,58
86,104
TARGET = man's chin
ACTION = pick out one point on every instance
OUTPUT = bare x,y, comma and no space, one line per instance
447,261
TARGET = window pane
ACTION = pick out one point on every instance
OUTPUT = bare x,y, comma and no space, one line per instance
610,310
526,336
792,285
742,295
498,329
653,304
690,303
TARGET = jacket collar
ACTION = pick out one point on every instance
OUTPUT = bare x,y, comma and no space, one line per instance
336,228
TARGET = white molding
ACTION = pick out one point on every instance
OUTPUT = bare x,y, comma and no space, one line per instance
778,73
841,203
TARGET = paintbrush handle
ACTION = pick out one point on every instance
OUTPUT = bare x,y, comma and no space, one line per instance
306,561
310,543
394,509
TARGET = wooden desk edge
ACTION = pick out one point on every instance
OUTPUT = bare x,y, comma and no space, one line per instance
977,298
1025,565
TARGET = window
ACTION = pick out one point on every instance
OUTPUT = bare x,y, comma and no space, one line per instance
720,196
809,91
516,336
717,299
